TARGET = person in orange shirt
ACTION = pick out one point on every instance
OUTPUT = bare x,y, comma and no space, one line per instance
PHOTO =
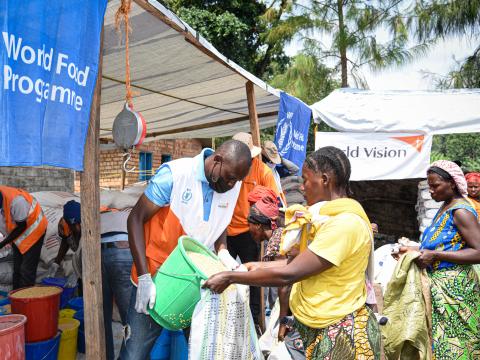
239,240
23,224
473,188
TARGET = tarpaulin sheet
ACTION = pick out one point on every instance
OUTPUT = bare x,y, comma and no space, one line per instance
48,68
429,112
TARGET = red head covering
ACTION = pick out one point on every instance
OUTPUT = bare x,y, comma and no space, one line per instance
264,201
260,192
473,176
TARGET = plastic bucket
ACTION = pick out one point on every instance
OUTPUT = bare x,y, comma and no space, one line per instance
67,313
43,350
178,286
68,340
76,303
12,337
67,293
41,312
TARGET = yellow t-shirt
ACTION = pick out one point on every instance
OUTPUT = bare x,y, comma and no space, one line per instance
345,241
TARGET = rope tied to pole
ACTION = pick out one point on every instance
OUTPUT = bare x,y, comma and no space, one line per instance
122,15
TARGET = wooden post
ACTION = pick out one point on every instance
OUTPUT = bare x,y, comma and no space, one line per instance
252,114
255,130
91,256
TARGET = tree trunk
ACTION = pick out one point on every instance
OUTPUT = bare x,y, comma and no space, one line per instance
342,44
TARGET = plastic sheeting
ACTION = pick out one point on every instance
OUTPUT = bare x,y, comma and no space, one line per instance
183,86
433,112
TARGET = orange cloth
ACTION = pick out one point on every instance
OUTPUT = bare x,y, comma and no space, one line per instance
260,174
476,205
161,237
36,221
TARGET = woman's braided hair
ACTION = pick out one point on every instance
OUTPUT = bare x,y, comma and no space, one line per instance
331,159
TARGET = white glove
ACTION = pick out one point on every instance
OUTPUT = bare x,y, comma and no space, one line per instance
227,260
72,280
52,270
146,294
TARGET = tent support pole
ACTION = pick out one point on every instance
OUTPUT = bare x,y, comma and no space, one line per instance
91,252
252,113
255,130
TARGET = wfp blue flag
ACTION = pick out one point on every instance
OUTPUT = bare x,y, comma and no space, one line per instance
292,129
48,68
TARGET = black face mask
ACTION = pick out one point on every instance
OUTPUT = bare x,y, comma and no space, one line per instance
219,184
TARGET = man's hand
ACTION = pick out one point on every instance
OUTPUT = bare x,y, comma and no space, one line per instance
52,270
146,294
227,259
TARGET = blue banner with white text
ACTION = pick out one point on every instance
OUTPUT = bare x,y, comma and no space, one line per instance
292,129
48,69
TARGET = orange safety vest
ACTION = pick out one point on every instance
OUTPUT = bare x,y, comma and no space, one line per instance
36,220
184,215
161,237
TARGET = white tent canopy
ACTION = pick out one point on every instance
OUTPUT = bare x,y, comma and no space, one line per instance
184,87
432,112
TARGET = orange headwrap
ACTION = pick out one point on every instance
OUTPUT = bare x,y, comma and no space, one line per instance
473,176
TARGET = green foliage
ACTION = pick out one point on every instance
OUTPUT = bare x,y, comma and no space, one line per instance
224,30
307,78
432,19
436,19
240,29
354,26
462,147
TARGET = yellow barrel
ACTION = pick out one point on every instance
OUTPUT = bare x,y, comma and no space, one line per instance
68,341
67,313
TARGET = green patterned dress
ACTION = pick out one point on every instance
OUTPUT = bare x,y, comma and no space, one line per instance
455,293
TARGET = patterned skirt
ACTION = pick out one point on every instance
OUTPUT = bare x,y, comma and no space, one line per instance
455,313
355,337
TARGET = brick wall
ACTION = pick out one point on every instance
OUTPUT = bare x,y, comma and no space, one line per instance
111,160
33,179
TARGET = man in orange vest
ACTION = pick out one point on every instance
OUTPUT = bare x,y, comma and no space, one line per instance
240,242
23,224
190,196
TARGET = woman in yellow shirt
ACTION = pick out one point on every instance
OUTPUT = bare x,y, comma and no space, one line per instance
329,292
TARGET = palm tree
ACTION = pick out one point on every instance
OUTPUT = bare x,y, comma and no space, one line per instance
353,26
437,19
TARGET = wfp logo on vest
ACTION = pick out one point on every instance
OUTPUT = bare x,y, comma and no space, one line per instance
186,196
